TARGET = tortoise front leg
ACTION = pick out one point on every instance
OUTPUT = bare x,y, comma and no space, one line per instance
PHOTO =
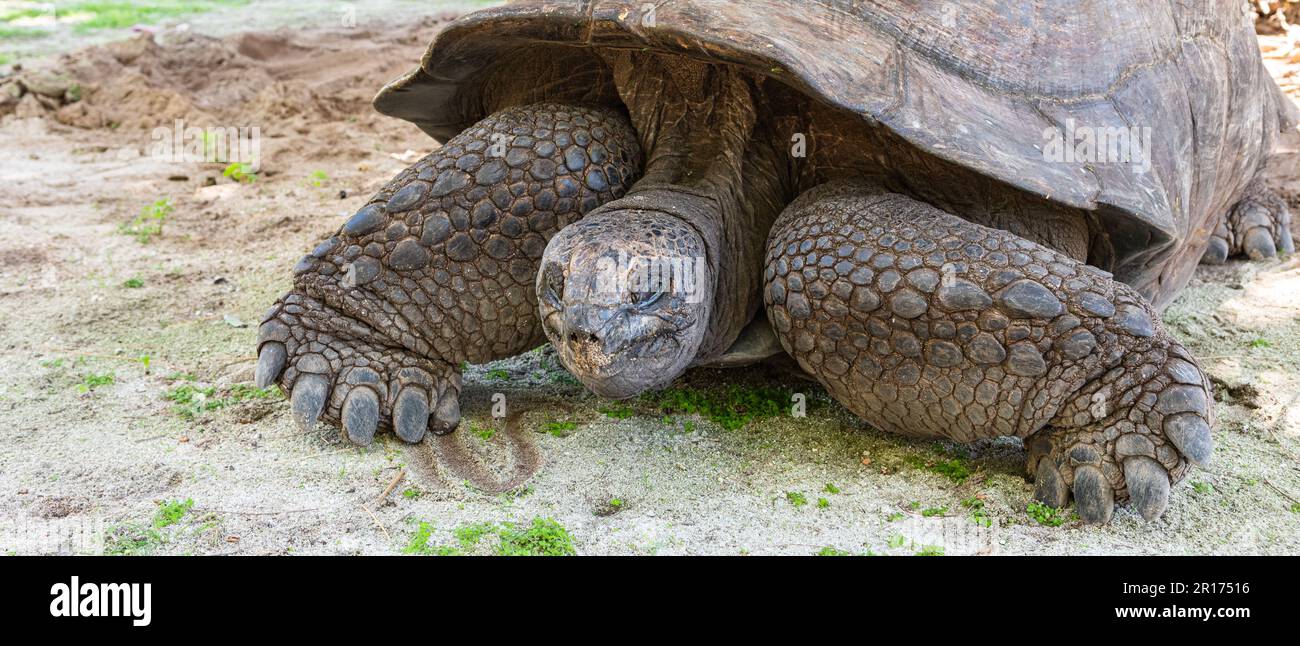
438,269
928,325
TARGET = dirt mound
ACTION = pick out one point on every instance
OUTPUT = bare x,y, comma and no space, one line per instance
155,79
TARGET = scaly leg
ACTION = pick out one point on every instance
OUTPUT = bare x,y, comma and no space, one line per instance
925,324
438,269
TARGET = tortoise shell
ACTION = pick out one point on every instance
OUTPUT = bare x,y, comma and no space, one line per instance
987,85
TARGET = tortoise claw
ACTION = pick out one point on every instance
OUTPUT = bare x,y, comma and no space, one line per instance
1148,485
1093,495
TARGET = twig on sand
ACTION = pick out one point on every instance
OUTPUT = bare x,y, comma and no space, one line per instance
391,486
381,525
1280,492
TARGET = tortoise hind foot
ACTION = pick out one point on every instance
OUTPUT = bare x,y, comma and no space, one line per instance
320,357
1257,227
1121,439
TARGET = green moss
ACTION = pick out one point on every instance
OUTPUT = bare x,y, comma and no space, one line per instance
731,407
955,469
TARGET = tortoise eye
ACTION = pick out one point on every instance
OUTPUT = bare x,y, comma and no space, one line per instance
553,286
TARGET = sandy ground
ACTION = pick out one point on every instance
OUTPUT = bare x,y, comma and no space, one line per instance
93,435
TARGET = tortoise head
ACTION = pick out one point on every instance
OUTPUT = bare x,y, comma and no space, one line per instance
625,297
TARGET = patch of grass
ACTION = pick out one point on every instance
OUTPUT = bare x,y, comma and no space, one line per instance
954,469
1260,343
1202,487
930,550
617,411
1295,507
730,407
411,493
823,503
419,543
98,15
831,489
897,540
131,540
93,380
896,516
190,401
796,498
831,551
931,512
149,222
133,283
8,32
559,428
497,374
317,178
484,433
170,512
1045,515
544,537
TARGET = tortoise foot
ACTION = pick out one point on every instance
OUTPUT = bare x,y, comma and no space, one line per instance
331,374
1257,227
1124,439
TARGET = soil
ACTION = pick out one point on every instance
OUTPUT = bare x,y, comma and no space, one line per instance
94,434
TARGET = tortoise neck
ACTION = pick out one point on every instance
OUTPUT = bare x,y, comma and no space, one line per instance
711,162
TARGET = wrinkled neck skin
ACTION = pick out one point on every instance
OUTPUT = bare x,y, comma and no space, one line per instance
716,176
711,163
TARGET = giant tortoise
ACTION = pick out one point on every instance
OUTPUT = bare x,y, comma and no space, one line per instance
963,218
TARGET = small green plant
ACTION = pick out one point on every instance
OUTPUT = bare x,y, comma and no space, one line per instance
93,380
897,540
615,503
831,551
145,361
831,489
954,469
1045,515
1295,507
977,513
934,511
1260,343
317,178
484,433
411,493
796,498
823,503
930,550
497,374
1202,487
170,512
896,516
544,537
559,428
240,172
149,222
419,543
133,283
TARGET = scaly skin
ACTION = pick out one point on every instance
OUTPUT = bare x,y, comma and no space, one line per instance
925,324
1258,227
438,269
